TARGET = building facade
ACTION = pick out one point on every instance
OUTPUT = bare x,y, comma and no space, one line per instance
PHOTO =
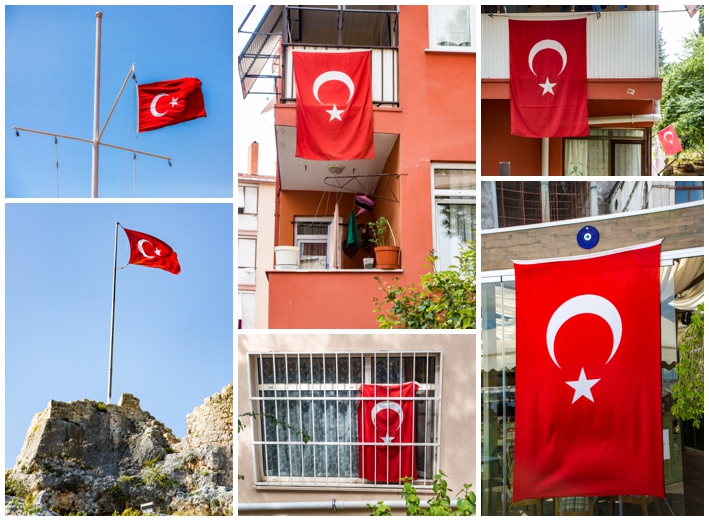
256,197
422,178
623,86
681,226
312,383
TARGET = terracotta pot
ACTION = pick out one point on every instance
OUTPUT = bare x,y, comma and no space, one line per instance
387,257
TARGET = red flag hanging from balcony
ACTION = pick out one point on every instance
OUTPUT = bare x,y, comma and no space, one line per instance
588,420
165,103
150,251
669,140
334,105
548,92
388,421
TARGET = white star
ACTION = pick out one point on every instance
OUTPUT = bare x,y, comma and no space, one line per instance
547,87
582,386
334,113
157,252
388,439
174,101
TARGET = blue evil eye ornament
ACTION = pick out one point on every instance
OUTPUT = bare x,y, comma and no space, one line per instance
587,237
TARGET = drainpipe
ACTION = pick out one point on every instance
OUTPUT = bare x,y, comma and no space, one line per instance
335,505
546,217
495,216
632,118
594,199
545,156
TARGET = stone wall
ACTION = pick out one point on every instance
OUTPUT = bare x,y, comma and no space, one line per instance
212,423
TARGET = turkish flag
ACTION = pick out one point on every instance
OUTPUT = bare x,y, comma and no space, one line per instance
169,102
150,251
588,419
548,92
669,140
333,105
390,423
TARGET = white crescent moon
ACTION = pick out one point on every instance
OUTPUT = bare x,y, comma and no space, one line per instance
668,139
333,76
380,406
152,106
592,304
547,44
140,246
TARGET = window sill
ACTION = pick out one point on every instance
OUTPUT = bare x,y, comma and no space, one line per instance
450,50
394,489
337,271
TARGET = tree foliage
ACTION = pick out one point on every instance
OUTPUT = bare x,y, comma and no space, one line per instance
441,300
438,505
683,94
688,391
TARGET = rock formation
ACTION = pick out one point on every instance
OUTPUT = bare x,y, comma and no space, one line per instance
94,458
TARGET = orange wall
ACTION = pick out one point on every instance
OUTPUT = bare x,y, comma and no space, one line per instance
435,123
525,154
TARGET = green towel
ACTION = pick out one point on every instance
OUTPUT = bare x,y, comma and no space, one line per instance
352,233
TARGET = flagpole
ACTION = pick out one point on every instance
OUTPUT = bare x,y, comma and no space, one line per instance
97,89
113,313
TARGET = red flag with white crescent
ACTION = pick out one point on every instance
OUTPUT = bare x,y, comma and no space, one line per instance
149,251
669,140
588,418
548,91
390,423
165,103
333,105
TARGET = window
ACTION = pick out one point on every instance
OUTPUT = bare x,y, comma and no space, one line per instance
247,207
608,152
311,236
247,260
689,191
319,393
454,210
247,309
451,28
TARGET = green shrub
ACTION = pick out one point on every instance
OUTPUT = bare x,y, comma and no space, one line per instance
129,512
438,505
14,487
79,513
150,463
101,407
688,391
116,493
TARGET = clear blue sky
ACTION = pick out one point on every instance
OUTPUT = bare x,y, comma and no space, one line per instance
173,333
49,74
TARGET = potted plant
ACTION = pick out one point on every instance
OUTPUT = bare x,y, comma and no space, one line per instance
386,257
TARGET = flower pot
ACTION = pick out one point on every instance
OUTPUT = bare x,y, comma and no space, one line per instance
387,257
287,257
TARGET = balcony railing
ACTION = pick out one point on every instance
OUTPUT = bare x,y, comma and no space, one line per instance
619,44
385,72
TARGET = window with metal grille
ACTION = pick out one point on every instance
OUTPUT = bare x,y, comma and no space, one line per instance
319,394
520,202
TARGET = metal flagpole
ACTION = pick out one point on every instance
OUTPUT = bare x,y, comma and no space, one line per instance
97,91
113,313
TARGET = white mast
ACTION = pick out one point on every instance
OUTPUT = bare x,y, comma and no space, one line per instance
97,96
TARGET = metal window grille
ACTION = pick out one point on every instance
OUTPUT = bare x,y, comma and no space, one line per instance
319,394
520,202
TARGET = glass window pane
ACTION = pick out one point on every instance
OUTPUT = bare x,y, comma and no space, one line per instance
628,159
453,179
456,226
681,196
313,255
453,26
247,253
627,132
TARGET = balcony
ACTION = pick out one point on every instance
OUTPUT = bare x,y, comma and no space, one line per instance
620,44
385,78
284,29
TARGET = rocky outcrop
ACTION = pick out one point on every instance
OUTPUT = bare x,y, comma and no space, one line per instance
95,458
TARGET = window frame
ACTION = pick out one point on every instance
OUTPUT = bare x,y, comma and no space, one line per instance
299,239
450,196
689,189
612,140
443,48
255,368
